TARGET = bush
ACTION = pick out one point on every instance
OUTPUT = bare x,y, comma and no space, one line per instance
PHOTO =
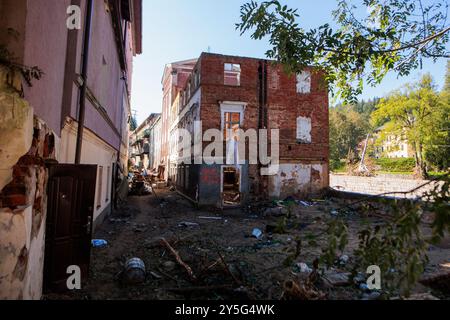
337,165
396,164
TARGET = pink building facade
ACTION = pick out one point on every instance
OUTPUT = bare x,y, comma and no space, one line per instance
40,125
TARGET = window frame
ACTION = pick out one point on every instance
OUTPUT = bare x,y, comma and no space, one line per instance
232,107
231,71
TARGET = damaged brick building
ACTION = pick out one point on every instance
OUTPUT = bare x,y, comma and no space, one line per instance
225,92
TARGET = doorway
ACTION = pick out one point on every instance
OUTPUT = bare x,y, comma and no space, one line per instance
231,186
70,209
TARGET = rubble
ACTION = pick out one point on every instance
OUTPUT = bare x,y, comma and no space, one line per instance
201,260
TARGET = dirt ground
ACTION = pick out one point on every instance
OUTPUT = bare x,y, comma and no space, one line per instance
251,268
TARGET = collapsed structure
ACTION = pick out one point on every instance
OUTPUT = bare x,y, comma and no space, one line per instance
227,93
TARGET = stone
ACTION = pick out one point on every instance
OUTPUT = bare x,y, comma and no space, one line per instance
338,279
168,265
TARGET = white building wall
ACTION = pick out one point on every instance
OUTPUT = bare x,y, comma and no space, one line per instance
94,151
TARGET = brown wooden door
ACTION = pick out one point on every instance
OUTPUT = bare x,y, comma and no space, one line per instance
70,209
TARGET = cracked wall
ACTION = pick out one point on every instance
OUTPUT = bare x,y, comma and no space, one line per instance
26,142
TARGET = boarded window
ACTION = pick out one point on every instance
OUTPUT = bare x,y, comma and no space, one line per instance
303,130
232,74
304,82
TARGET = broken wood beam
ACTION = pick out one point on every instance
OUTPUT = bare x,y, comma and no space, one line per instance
179,260
227,269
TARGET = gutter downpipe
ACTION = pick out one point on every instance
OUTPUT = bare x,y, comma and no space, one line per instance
84,72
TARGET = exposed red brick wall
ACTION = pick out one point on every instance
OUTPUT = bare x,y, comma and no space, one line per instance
284,104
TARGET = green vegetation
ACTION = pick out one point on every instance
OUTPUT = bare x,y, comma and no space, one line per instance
396,164
395,36
420,114
347,129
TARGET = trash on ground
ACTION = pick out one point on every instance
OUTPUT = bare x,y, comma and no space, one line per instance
276,211
257,233
364,287
303,267
210,218
343,259
134,271
99,243
188,224
304,203
338,279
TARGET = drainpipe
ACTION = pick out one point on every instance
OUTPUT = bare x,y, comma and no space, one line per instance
262,116
84,72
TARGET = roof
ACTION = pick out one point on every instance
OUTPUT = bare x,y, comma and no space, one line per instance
170,66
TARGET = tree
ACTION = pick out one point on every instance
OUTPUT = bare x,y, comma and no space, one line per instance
395,36
413,112
438,144
347,129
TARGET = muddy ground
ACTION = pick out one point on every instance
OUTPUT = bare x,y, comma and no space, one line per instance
251,268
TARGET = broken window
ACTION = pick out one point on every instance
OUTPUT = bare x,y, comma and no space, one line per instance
232,74
232,122
196,79
304,82
303,130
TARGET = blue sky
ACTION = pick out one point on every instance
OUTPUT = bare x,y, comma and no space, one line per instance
181,29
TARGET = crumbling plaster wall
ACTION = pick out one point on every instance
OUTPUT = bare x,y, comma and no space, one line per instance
25,142
298,179
16,125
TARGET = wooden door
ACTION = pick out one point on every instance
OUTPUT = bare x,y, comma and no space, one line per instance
70,209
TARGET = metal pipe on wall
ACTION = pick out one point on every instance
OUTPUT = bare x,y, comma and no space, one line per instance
84,72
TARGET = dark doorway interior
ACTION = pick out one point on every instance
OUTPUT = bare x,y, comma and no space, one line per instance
231,186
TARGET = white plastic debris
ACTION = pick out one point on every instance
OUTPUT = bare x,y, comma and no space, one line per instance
303,267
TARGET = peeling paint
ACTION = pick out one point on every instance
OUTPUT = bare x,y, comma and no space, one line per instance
297,180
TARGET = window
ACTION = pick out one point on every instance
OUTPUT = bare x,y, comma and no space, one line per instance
196,79
303,130
304,82
108,183
232,74
231,122
99,188
232,116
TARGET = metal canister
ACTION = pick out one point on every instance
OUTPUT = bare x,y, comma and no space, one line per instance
134,272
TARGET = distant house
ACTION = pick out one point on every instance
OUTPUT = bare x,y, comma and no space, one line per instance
390,145
143,143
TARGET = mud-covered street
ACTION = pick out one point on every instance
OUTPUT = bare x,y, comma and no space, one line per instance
226,260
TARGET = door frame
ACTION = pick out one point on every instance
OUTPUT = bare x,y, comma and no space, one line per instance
51,283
